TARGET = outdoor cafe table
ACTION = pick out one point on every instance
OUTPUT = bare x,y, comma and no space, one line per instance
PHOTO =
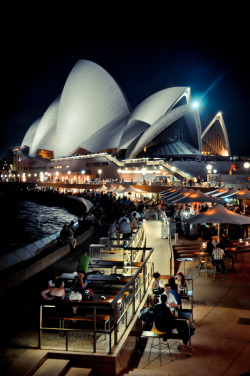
116,279
113,264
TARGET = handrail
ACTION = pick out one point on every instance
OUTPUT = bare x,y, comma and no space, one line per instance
134,277
146,274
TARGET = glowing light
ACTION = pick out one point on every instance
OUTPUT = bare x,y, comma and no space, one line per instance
195,104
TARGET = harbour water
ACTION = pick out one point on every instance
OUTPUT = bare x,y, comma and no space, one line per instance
24,222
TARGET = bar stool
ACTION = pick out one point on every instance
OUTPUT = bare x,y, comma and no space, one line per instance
154,333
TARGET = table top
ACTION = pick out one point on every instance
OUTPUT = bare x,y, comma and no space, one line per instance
185,259
201,253
184,314
112,278
97,299
111,263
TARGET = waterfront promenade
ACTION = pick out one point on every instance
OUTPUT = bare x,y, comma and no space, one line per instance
221,344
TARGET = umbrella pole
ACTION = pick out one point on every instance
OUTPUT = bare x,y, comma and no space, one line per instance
244,207
218,231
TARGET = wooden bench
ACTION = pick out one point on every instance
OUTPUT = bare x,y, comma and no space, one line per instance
89,318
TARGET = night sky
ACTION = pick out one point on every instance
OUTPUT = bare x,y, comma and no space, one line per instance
145,50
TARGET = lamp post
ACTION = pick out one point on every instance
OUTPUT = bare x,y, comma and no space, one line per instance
209,170
99,174
83,173
246,165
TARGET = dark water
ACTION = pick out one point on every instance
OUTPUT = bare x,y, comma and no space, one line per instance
24,222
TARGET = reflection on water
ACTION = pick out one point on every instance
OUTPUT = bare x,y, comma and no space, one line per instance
23,222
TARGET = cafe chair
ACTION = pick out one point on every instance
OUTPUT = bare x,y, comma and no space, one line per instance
218,269
160,345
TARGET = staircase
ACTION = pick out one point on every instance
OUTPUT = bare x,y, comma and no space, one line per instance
41,363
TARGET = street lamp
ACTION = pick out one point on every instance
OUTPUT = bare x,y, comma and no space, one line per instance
209,170
246,165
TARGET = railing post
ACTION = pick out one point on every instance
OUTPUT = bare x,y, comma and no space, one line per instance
40,331
133,298
94,345
115,325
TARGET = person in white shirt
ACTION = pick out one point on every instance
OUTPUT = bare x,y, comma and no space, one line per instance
171,303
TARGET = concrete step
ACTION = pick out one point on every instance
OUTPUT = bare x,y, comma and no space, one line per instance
75,371
52,367
29,359
145,372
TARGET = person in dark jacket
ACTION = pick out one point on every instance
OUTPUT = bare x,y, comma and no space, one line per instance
166,322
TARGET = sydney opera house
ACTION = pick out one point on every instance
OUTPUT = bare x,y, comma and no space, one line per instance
90,130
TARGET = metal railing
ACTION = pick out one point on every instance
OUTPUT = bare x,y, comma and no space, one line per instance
136,289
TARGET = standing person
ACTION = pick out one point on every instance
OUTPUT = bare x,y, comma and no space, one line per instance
166,322
83,262
113,230
125,228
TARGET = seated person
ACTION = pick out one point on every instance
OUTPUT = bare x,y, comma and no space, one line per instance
56,293
218,257
210,246
156,283
182,283
63,235
80,282
52,281
70,236
166,322
171,303
174,290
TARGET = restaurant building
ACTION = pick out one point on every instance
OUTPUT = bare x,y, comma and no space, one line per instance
90,132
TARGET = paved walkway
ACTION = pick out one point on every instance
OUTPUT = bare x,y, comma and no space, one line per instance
221,344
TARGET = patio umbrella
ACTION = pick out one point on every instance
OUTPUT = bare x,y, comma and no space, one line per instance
171,192
218,192
219,214
167,191
243,194
102,188
231,192
119,189
112,188
131,189
215,191
175,199
198,196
